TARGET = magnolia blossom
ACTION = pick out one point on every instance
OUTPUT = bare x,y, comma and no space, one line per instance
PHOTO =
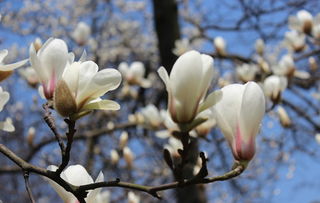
114,155
6,70
286,66
259,46
284,117
239,114
152,116
79,90
303,22
75,175
123,141
133,198
247,72
313,64
49,63
37,43
187,86
81,34
220,45
273,87
295,41
7,124
204,128
128,156
30,75
134,75
181,46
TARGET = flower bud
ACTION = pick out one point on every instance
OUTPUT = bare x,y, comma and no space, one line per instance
114,157
284,117
128,156
220,46
239,114
123,140
64,102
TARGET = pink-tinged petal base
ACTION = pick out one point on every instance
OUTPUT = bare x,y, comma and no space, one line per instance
50,87
241,150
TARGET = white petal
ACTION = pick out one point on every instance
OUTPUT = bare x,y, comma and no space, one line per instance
137,69
211,100
7,125
77,175
164,77
3,54
227,110
207,72
54,56
102,105
4,97
12,66
252,110
123,68
42,73
65,196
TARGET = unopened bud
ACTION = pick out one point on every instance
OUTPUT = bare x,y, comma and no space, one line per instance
123,140
64,102
30,135
284,117
128,156
114,157
313,64
37,44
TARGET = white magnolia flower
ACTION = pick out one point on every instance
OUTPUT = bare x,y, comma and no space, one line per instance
30,75
173,146
128,156
187,86
37,43
286,66
6,70
114,155
181,46
220,45
247,72
239,114
204,128
79,90
133,198
81,34
7,124
274,86
295,41
152,116
284,117
259,46
75,175
134,75
302,22
103,197
123,141
49,63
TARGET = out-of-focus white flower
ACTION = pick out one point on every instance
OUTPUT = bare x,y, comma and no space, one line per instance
181,46
103,197
30,135
239,114
187,86
128,156
302,22
295,41
123,141
79,90
301,74
173,146
263,65
128,91
81,34
75,175
7,124
259,46
49,63
6,70
284,117
286,66
152,116
114,155
133,198
273,87
220,45
313,64
37,43
204,128
134,75
247,72
30,75
317,137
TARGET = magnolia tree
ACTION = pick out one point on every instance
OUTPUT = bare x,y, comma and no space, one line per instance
172,116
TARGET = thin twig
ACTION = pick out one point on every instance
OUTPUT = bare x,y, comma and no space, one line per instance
28,188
